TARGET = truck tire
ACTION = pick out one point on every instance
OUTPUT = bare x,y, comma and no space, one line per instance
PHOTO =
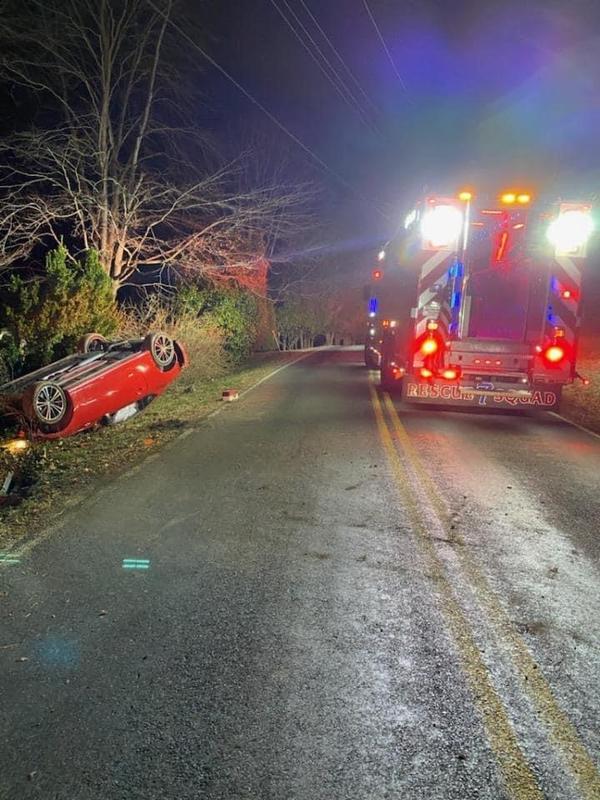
370,360
388,381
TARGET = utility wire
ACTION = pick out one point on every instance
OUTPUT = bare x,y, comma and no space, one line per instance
336,81
384,45
340,58
269,115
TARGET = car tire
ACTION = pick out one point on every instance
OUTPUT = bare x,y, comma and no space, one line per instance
93,343
48,404
162,349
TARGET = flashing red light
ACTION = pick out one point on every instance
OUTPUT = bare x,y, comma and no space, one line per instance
426,373
377,274
554,353
429,347
450,374
568,294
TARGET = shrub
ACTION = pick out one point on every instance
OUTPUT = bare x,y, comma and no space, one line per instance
201,337
235,311
47,315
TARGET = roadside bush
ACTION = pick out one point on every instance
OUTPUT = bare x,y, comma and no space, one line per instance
46,316
9,356
299,321
236,313
201,337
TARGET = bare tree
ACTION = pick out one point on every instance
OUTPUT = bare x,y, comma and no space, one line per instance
114,160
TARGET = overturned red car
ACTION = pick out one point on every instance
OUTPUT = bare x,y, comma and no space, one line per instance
105,382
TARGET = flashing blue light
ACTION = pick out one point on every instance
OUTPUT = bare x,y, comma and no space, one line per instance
456,270
373,305
455,302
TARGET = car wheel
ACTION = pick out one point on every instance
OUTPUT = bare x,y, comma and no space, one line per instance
93,343
162,349
49,403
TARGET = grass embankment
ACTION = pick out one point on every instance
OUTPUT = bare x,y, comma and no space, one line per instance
65,471
582,403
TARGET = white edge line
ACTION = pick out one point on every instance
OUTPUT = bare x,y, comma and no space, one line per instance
575,425
283,366
251,389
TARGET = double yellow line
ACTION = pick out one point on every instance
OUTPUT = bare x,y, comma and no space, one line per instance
519,778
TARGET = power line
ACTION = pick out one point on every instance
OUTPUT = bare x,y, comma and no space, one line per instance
340,58
268,114
336,81
384,45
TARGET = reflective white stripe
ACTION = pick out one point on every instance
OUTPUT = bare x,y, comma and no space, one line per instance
433,262
429,294
426,297
570,268
421,327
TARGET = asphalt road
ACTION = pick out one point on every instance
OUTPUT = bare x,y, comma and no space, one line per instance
329,596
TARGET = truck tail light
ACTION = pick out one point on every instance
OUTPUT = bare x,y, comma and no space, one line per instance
450,374
554,354
429,346
425,373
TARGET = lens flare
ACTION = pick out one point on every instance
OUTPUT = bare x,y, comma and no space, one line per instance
442,226
570,230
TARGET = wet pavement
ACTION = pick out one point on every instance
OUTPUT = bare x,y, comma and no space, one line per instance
318,594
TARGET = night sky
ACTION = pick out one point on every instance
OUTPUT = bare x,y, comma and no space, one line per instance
481,93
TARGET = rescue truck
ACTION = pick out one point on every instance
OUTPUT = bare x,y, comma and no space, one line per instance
486,301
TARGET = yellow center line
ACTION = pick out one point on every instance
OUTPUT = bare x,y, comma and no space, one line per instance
563,733
520,781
